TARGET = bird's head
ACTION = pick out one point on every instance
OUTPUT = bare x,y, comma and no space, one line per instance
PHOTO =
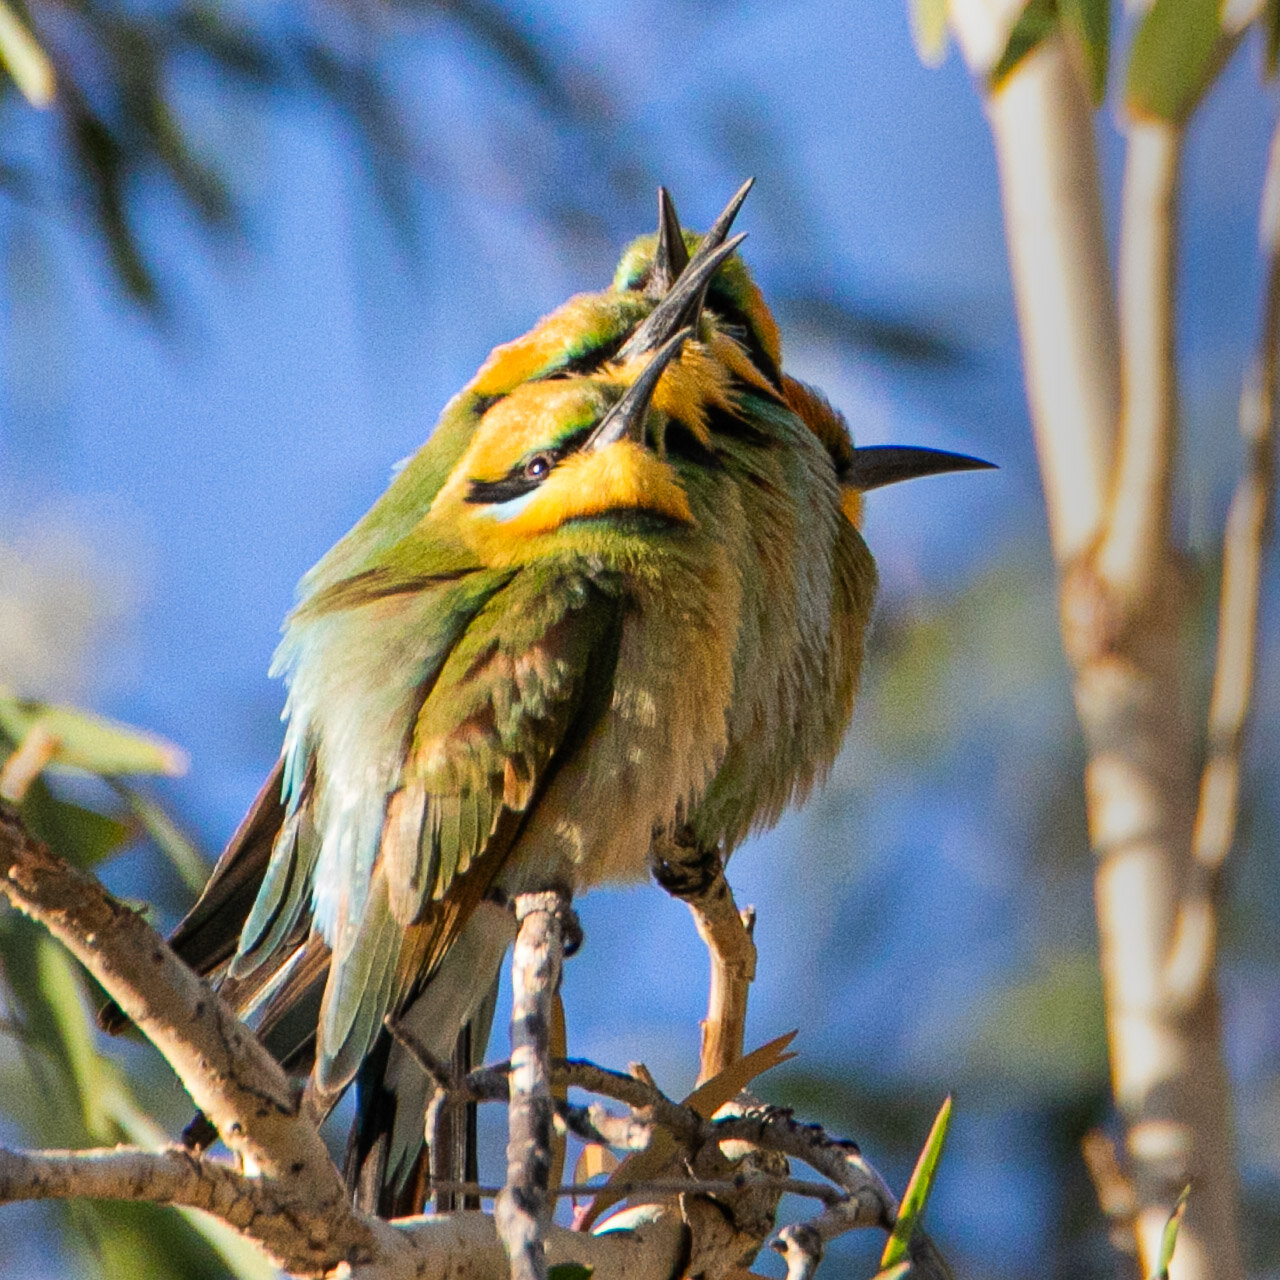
562,461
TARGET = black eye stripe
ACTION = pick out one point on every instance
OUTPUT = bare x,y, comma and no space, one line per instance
491,491
520,479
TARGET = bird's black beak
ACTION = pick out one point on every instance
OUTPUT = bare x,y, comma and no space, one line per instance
877,465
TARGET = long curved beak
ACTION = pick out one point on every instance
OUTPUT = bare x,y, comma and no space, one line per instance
877,465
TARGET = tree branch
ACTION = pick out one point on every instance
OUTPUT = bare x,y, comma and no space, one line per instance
1123,609
287,1226
229,1075
292,1230
523,1211
1135,545
1043,133
715,1197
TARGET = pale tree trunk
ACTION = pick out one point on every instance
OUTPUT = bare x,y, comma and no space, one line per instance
1101,384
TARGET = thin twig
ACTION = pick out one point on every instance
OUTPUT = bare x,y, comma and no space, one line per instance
1248,533
490,1084
802,1247
696,877
523,1210
670,1187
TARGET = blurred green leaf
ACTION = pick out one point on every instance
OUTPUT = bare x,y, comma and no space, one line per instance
95,1080
24,59
126,1241
103,166
898,1272
1271,37
90,742
82,836
208,30
1176,53
1169,1239
1035,24
825,314
137,53
1088,27
916,1197
70,1095
168,837
929,30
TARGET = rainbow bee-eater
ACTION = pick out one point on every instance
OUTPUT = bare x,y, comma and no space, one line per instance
620,591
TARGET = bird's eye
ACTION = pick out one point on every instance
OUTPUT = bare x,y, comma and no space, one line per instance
538,467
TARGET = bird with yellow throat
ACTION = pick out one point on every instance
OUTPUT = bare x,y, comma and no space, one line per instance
620,591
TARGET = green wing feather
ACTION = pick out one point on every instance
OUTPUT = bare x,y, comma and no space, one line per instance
525,681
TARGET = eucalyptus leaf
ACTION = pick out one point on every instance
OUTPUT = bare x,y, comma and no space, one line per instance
24,59
570,1271
929,30
90,742
83,836
1087,24
1177,51
1037,22
916,1196
124,1241
1169,1239
168,837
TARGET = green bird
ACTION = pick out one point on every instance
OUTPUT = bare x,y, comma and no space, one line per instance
619,593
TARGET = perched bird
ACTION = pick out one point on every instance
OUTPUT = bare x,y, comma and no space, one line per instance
620,591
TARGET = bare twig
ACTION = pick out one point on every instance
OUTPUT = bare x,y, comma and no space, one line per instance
1248,532
802,1247
696,876
490,1083
1112,1188
523,1211
25,765
672,1187
868,1202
